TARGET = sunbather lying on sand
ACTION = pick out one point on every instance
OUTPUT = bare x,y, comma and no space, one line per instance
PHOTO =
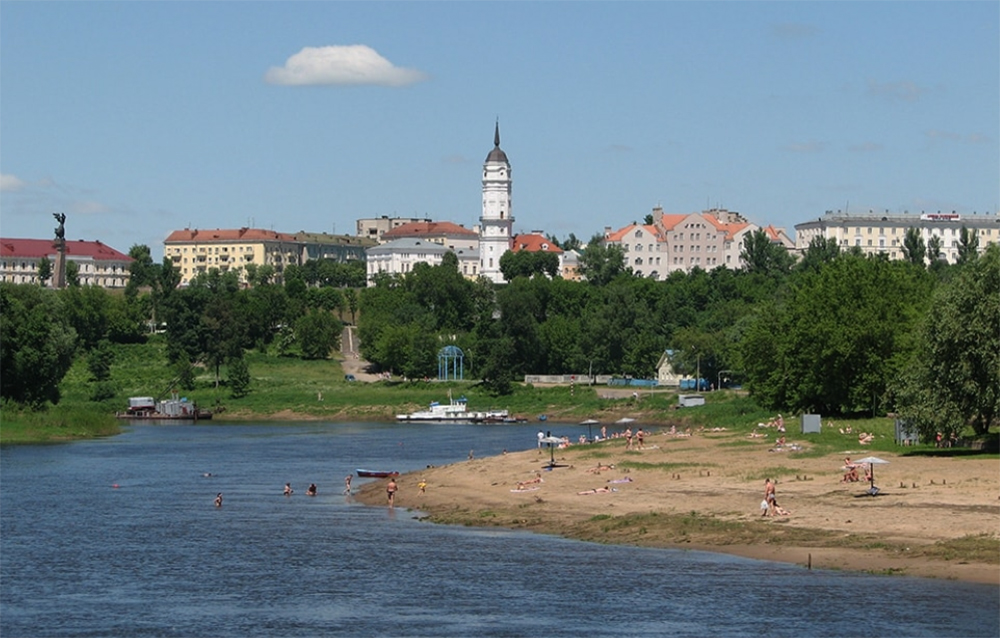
599,490
600,468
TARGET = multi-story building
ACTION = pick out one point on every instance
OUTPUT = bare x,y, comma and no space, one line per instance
876,233
341,248
459,239
644,246
375,227
400,256
194,251
97,263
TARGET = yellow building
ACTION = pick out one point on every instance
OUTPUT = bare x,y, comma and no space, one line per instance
196,251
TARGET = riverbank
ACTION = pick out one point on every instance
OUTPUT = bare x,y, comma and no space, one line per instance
935,516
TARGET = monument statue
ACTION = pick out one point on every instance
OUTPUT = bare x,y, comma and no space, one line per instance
61,229
60,246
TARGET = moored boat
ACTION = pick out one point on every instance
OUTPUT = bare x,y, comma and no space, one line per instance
375,473
456,411
172,409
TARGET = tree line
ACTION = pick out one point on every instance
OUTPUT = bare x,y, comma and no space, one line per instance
834,333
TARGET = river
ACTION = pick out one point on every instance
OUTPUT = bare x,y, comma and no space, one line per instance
119,537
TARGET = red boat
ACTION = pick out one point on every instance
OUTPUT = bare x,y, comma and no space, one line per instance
376,473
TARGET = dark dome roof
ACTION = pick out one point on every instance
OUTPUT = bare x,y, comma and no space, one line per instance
497,155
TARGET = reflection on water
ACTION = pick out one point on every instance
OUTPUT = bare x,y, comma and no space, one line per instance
153,556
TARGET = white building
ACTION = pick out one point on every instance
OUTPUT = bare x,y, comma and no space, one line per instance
400,256
496,222
877,233
97,264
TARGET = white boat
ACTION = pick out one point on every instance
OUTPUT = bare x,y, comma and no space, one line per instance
455,411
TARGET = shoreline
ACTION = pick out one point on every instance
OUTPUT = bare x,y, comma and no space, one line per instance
933,518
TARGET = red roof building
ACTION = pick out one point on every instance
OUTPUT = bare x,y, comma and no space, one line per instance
99,264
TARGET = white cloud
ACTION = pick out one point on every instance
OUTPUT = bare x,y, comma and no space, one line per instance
10,183
353,65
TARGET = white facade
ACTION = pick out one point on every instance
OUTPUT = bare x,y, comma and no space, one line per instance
400,256
496,222
874,233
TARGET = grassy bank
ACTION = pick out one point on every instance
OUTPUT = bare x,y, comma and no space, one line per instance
287,388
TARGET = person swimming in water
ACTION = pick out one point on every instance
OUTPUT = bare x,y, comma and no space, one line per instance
312,490
218,499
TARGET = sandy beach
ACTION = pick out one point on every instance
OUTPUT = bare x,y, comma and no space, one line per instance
933,517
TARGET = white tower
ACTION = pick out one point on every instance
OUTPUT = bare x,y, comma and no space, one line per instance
496,222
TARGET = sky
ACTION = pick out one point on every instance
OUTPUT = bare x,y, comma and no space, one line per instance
139,118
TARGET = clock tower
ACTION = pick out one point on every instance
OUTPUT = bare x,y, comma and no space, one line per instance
496,222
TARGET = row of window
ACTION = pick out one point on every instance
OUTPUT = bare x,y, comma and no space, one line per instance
86,267
985,232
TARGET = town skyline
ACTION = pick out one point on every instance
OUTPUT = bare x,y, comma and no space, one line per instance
309,116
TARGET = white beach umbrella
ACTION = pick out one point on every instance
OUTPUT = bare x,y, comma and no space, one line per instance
552,440
871,461
625,420
590,423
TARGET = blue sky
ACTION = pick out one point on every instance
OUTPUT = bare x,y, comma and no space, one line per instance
139,118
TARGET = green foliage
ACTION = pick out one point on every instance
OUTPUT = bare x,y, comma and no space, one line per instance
844,331
914,249
99,361
600,264
72,273
37,344
238,377
761,255
952,380
44,270
318,333
527,264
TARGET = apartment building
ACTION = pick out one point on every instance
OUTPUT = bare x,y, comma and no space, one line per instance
884,233
194,251
400,256
645,248
97,263
375,227
455,237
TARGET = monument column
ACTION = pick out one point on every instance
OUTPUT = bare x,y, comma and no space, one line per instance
59,276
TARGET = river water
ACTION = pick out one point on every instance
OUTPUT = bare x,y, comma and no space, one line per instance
154,557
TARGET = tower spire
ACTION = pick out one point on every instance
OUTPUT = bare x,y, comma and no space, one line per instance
496,135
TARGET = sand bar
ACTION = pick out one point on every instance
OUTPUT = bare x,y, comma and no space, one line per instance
934,516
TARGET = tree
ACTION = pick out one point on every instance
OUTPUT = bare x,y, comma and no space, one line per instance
352,303
72,274
318,333
37,344
600,264
914,249
837,337
238,376
44,270
821,250
968,246
953,378
142,271
760,255
523,263
99,361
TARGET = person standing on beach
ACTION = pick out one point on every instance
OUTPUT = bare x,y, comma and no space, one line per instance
390,489
640,436
628,438
769,497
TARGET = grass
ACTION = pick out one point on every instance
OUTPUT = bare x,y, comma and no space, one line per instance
288,387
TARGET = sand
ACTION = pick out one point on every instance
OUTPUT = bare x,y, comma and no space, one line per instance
934,516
